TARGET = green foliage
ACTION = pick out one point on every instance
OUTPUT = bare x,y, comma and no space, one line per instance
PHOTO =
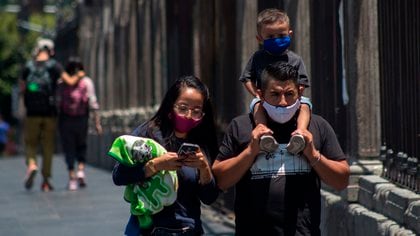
15,49
10,52
47,21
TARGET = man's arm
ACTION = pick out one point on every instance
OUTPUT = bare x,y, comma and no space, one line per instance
70,80
334,173
22,80
229,171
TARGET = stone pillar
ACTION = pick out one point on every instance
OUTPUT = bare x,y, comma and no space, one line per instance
362,63
247,43
367,100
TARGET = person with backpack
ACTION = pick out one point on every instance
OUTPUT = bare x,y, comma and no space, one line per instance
38,85
75,103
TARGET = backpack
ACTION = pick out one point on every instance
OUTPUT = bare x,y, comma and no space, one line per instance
39,92
74,100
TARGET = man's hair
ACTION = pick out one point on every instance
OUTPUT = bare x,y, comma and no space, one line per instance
279,71
270,16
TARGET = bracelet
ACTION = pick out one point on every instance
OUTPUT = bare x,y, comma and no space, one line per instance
151,166
313,163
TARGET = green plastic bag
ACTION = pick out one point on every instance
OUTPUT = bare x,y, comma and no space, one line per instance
151,196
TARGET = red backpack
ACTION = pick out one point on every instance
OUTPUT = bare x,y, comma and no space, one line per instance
74,100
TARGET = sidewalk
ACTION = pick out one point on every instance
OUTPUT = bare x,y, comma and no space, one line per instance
97,210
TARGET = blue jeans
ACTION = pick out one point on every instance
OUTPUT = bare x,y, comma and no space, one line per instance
133,229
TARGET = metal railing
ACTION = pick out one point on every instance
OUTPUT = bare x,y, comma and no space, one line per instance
401,169
400,74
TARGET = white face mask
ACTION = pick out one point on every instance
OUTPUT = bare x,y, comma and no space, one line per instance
281,114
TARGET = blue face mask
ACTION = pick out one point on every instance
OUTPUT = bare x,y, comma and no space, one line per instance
277,46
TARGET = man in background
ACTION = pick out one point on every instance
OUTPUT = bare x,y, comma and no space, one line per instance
38,86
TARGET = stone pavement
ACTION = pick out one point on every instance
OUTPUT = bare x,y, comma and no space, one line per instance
97,210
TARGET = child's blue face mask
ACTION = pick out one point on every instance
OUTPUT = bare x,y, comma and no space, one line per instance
277,46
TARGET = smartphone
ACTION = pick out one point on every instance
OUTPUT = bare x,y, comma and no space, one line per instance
187,149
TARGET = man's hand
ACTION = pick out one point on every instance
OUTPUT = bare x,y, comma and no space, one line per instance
310,151
256,134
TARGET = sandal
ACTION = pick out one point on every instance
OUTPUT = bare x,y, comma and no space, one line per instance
30,176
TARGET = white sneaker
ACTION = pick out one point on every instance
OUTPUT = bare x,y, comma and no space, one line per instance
81,178
72,185
296,144
268,143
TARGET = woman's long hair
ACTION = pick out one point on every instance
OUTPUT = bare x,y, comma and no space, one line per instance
204,133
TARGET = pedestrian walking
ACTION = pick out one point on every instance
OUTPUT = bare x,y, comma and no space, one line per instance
279,193
184,116
77,103
38,85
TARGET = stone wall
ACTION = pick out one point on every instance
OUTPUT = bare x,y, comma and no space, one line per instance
380,208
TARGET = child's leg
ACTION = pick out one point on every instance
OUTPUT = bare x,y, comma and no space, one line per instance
303,117
267,142
259,116
297,142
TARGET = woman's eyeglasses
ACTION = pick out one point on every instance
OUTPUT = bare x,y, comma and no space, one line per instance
196,113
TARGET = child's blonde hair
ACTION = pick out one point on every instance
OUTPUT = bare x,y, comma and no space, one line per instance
270,16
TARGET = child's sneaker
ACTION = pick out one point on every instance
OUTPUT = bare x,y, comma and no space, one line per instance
72,185
81,178
30,176
268,143
297,144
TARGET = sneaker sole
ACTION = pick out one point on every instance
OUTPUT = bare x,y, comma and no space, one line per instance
30,181
268,144
296,144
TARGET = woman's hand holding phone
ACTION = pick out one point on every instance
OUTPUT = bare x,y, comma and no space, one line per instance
191,155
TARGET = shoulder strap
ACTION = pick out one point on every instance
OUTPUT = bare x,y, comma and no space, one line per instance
30,65
51,63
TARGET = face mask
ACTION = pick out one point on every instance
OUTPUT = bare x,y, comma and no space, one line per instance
277,46
281,114
184,125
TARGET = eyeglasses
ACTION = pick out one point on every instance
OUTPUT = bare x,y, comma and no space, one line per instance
196,113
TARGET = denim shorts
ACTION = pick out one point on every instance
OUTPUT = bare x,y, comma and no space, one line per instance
161,231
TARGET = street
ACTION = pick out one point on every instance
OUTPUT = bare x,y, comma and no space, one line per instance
98,209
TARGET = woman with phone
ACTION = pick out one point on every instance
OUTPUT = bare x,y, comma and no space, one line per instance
184,115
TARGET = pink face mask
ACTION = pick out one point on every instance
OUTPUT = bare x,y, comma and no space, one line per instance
183,124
